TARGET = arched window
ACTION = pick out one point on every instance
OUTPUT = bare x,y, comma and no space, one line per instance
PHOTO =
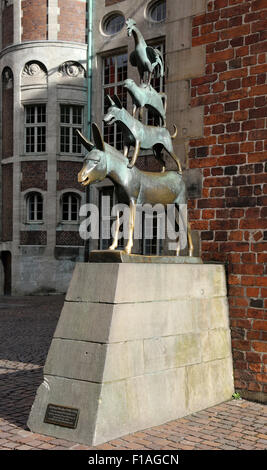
34,207
113,23
70,207
157,11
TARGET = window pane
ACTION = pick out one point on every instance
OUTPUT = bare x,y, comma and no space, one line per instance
29,139
64,139
35,207
158,11
109,70
76,145
35,135
122,67
41,113
64,114
114,24
72,118
115,72
29,114
41,131
76,115
70,205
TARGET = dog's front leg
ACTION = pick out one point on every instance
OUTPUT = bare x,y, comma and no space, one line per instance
135,155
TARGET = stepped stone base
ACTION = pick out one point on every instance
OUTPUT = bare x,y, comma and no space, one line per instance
136,345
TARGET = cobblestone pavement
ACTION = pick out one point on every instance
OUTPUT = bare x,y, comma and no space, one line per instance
26,329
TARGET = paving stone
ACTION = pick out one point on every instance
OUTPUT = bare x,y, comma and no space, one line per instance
237,424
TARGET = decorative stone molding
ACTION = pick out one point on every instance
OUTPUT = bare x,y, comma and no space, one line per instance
6,3
34,69
7,77
71,69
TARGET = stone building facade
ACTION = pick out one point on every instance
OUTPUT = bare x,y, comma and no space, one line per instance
43,64
215,55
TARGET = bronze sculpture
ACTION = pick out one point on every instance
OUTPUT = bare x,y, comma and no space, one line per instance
144,57
145,96
131,185
139,135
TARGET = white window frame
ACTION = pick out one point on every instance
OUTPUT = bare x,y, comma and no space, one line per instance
70,195
34,125
71,126
35,219
115,85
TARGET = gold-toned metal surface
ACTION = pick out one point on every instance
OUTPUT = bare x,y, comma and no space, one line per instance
118,256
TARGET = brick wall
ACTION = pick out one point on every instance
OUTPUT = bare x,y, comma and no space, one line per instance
7,202
34,20
7,26
67,175
232,155
33,237
69,238
33,175
7,113
72,20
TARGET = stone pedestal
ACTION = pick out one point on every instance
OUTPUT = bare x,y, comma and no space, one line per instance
136,345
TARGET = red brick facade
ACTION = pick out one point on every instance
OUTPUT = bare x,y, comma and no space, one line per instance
231,215
34,20
68,238
67,175
33,237
7,202
72,20
7,26
33,175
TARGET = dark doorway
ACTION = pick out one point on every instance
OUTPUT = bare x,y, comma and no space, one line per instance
6,260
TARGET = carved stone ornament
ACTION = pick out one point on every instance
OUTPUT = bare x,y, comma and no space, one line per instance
7,78
72,69
6,3
34,69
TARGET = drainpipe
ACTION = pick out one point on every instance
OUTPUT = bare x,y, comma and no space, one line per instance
89,99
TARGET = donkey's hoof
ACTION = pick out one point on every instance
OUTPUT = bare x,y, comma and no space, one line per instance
130,165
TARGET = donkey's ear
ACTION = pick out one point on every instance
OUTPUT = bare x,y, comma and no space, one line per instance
109,101
117,101
98,139
86,143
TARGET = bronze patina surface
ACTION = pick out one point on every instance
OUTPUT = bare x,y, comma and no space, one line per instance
139,135
144,57
133,186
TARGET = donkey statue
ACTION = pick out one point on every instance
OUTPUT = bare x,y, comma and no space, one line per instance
132,186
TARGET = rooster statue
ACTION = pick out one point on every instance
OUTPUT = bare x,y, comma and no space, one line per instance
144,57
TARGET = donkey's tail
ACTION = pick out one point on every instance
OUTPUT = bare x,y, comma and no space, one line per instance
175,132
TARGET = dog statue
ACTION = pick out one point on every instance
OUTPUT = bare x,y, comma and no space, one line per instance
145,96
139,135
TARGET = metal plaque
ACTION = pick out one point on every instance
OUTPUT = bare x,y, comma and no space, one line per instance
62,416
